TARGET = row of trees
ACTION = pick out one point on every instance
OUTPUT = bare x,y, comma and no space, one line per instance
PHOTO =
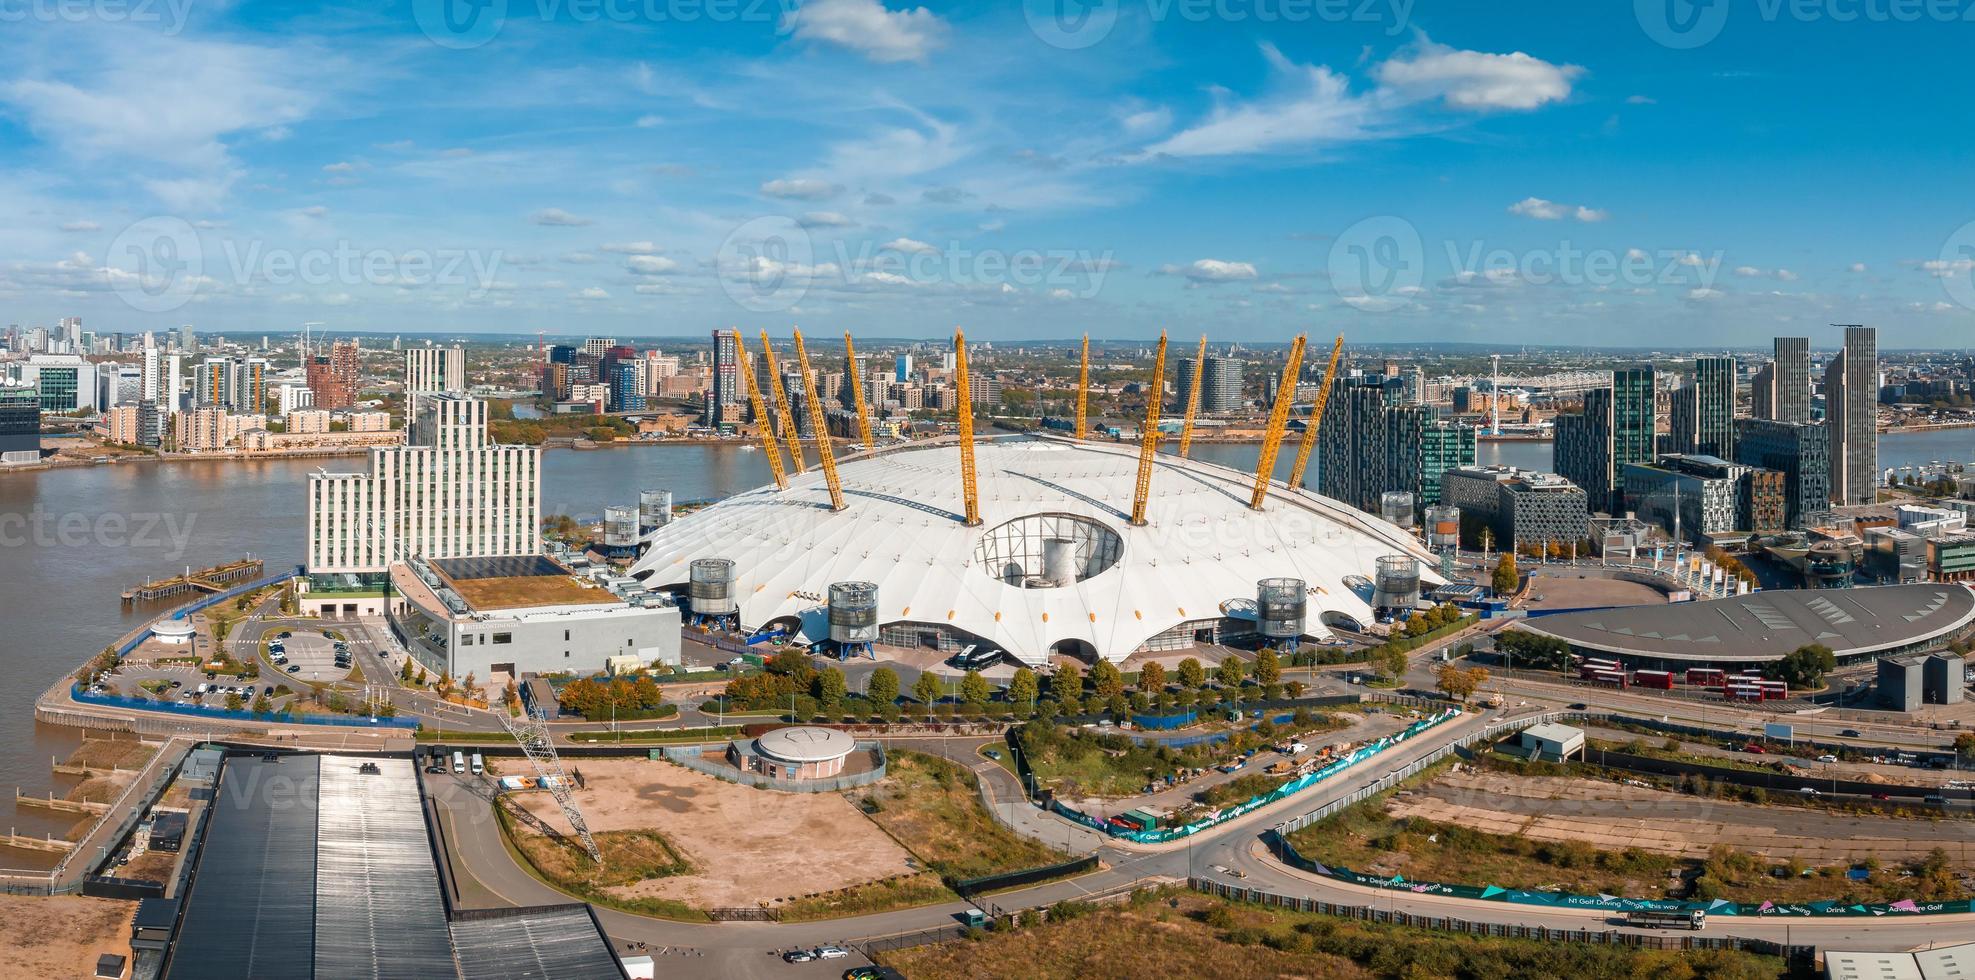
597,700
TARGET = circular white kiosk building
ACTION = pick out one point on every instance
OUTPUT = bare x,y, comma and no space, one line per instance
802,752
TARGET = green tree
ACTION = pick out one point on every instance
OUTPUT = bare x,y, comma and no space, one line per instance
1268,669
1803,667
1294,689
927,688
1459,682
404,671
883,688
1023,687
233,701
1230,672
263,704
1068,682
1192,675
1152,678
975,689
1506,576
1964,744
1107,680
830,687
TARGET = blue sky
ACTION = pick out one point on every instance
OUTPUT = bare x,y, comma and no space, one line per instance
1542,173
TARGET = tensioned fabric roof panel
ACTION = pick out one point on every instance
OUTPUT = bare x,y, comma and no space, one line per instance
378,913
251,907
1199,555
561,943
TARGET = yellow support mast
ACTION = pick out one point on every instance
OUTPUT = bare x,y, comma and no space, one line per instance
818,425
1083,387
1278,420
969,488
1148,442
1316,417
782,415
857,393
762,428
1193,399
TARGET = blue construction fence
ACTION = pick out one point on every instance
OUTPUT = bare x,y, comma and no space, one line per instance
123,650
221,714
1286,790
1288,855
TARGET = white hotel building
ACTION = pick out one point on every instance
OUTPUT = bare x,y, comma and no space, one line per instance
447,493
430,370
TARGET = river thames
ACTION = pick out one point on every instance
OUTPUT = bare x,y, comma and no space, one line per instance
74,539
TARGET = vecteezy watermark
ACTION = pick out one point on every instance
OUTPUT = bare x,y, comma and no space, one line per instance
770,264
166,15
1956,265
71,530
1685,24
1378,264
1076,24
161,263
462,24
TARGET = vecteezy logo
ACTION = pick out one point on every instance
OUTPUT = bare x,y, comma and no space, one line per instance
460,24
766,265
1956,267
1681,24
1378,264
155,265
1070,24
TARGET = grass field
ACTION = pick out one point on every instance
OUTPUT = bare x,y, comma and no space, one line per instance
629,857
888,895
1180,934
932,807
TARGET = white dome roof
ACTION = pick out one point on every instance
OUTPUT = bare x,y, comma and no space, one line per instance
1201,548
805,744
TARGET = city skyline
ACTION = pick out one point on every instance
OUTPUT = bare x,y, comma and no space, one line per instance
1420,174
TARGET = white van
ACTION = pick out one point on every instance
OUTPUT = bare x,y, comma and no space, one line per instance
459,763
478,766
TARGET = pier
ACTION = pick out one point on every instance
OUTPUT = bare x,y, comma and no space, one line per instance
207,580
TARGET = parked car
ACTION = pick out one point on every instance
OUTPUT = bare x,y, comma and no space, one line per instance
294,668
284,634
798,956
1827,758
1754,749
831,952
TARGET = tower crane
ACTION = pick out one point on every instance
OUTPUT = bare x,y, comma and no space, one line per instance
1278,418
818,425
1316,417
1083,387
1193,399
969,488
782,414
1148,441
762,428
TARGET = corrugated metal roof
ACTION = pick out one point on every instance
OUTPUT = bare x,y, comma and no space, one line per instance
378,912
251,908
561,943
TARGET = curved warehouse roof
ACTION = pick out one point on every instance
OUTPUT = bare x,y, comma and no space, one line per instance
1763,626
1111,585
805,744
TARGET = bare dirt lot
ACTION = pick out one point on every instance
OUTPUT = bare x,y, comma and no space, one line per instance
1613,816
746,846
47,938
1561,592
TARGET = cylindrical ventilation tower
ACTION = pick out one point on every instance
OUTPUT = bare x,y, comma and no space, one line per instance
710,589
1396,583
654,509
1443,526
1059,561
620,529
1281,605
853,615
1396,506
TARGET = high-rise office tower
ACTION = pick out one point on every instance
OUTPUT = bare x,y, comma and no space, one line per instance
1368,446
433,370
1851,392
598,346
902,369
1703,417
1789,395
187,340
1800,451
1617,427
1220,383
723,400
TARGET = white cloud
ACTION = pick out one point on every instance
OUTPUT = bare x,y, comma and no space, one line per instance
1211,270
1858,267
825,219
313,211
801,189
592,292
81,226
866,27
1703,294
558,218
1641,100
1476,79
339,167
1786,275
1312,104
910,246
629,248
647,122
1148,121
1747,271
651,265
1542,210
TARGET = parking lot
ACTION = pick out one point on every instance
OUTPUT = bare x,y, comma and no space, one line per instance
310,656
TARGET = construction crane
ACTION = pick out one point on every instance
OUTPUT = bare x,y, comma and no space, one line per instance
1316,417
767,434
1148,436
1083,387
817,425
531,732
970,490
1193,399
857,394
782,415
1278,419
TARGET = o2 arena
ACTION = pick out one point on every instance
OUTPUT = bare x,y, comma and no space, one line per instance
1054,566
